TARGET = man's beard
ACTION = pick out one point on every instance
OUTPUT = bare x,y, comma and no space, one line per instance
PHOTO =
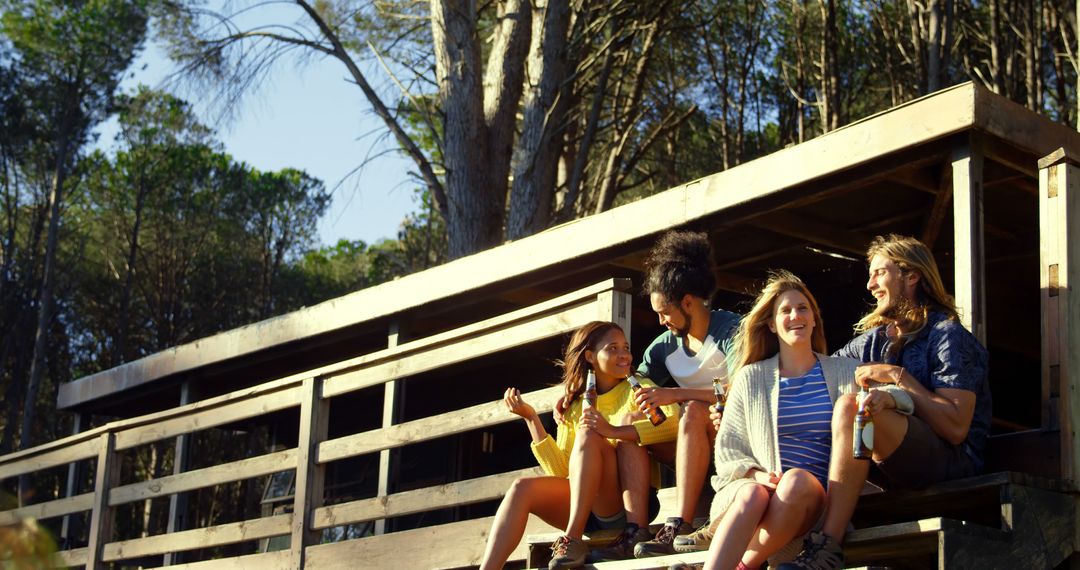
902,311
683,331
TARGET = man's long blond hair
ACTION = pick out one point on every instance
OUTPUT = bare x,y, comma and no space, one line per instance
754,341
909,254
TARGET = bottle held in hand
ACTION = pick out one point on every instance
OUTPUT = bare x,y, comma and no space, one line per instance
655,414
863,441
721,394
589,398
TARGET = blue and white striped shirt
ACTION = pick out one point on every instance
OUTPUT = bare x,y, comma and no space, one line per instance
803,423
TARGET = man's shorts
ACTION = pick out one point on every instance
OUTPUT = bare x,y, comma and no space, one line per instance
924,458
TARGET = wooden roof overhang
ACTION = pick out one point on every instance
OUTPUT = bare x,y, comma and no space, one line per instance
812,207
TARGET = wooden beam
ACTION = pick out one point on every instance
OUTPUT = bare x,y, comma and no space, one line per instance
918,178
968,239
936,217
208,537
205,477
59,507
615,306
453,545
101,520
181,458
310,474
17,464
431,427
389,413
244,406
70,527
422,356
420,500
278,560
1059,272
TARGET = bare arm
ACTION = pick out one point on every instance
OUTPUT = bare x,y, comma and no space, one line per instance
948,411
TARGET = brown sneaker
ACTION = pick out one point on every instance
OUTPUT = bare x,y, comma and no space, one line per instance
662,544
696,541
567,552
623,546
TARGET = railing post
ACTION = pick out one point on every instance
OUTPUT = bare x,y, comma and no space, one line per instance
969,275
616,306
1059,264
310,475
69,528
390,397
178,501
101,519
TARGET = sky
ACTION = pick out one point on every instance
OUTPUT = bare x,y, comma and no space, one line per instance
308,117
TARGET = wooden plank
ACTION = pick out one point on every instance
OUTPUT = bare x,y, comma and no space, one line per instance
57,508
101,520
73,557
1059,269
453,545
615,306
52,457
968,239
420,500
242,408
278,560
942,200
178,501
432,427
208,537
310,475
389,412
480,344
69,527
206,477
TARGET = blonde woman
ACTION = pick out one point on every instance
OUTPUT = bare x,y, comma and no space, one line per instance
581,490
774,443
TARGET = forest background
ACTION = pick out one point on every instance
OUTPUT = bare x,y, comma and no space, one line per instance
516,116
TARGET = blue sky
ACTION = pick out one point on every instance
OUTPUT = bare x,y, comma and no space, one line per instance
308,117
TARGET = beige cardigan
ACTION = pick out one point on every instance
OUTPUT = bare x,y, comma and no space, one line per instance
748,433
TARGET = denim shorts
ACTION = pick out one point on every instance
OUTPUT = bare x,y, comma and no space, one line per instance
617,521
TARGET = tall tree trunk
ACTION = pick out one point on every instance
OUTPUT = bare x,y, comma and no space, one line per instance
537,157
45,301
933,45
475,210
123,319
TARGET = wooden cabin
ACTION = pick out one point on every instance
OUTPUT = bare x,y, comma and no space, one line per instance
381,439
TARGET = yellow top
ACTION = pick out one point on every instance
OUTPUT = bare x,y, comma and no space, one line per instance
554,454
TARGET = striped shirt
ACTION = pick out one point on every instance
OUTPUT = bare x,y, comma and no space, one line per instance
803,423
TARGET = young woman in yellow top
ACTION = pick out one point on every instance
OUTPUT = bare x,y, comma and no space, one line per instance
581,489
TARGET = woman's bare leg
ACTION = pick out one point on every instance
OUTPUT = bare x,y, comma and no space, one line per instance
545,497
793,509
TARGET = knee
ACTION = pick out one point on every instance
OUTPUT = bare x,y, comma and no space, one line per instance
695,415
519,490
799,486
751,497
844,411
587,439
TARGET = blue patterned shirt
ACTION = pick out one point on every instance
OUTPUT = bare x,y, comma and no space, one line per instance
804,423
943,355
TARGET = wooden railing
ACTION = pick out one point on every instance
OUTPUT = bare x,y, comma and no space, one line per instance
449,545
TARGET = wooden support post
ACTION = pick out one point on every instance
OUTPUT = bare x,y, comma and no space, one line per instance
178,501
101,519
310,475
1059,269
390,392
70,527
615,306
968,243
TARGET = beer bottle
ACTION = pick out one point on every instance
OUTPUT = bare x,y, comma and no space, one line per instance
655,414
863,441
589,400
721,395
